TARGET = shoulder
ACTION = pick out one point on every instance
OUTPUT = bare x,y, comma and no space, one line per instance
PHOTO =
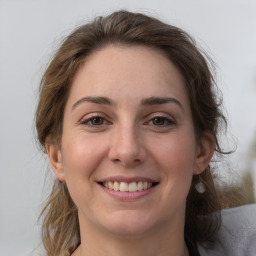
237,235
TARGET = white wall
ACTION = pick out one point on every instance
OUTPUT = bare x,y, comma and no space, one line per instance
30,30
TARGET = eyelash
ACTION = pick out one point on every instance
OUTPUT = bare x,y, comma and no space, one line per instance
166,122
88,121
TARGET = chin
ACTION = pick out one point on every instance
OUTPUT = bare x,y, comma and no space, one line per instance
127,223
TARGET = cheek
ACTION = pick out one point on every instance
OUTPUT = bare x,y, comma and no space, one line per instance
176,151
81,156
176,158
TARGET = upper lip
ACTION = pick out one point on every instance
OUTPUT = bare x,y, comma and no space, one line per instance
128,179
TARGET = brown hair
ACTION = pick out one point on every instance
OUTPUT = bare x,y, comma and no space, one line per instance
60,227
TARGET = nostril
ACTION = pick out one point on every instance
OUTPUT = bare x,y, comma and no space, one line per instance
127,151
126,161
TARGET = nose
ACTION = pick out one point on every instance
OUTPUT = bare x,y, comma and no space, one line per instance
127,147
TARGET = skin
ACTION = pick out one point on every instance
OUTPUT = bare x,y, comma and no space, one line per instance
130,135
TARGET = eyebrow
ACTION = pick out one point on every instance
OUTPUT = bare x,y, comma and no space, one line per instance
145,102
159,101
97,100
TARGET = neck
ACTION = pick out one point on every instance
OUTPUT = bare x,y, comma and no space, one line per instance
160,242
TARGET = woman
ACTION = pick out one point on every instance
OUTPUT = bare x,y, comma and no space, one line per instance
129,119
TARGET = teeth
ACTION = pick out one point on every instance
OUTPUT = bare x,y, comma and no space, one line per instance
140,186
133,187
116,186
110,185
125,187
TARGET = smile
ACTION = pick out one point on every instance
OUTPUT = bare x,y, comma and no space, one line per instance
128,187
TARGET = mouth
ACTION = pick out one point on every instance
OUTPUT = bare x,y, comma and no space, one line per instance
132,186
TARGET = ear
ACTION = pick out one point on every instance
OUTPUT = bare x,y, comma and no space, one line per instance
204,153
55,159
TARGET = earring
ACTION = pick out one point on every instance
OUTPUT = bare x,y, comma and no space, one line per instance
200,187
61,181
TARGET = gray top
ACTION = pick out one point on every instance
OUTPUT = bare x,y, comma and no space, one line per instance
237,236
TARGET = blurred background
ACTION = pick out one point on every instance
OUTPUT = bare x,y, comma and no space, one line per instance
29,33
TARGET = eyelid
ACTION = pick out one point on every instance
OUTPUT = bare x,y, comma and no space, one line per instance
167,117
170,121
88,117
161,115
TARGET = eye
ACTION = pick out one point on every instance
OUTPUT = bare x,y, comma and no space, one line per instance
161,121
95,121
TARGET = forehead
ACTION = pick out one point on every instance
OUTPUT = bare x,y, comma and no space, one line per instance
127,72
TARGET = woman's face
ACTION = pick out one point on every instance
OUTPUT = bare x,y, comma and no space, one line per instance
128,148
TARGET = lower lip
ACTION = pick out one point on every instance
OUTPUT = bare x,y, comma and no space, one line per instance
128,196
